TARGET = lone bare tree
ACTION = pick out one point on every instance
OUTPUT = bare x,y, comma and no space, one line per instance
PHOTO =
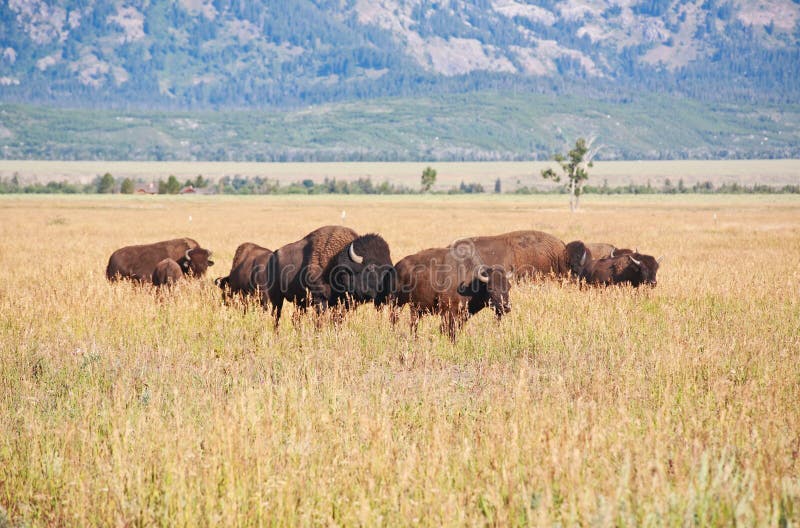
574,166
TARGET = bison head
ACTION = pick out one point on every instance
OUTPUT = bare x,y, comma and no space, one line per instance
577,256
196,261
644,267
363,270
488,287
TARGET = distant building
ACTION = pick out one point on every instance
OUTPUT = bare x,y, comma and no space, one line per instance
145,188
152,188
191,189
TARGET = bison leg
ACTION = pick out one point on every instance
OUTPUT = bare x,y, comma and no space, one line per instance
394,314
337,314
320,306
414,315
277,306
299,312
449,325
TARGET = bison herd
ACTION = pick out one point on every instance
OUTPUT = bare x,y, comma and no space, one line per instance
335,267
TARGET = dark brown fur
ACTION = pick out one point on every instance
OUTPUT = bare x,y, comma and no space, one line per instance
167,273
320,264
525,253
603,250
440,281
139,262
621,270
248,271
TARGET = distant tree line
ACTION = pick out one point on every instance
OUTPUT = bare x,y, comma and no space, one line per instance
668,187
241,185
105,184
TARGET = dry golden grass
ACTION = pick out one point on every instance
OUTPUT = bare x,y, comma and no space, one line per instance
672,406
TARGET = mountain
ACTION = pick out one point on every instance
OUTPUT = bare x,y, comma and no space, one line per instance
193,54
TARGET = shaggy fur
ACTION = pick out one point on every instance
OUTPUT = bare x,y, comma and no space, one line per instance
139,262
248,271
602,250
320,265
525,253
621,270
167,273
324,245
439,281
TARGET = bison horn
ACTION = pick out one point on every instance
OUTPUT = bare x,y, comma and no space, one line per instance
186,255
509,275
660,259
612,252
483,276
354,255
637,262
583,258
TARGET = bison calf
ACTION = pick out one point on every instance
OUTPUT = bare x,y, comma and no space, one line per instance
167,273
454,286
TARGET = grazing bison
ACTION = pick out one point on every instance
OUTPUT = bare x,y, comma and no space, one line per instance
632,268
167,273
524,253
330,266
452,285
139,262
248,271
601,250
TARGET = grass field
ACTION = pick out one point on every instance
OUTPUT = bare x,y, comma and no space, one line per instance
511,174
671,406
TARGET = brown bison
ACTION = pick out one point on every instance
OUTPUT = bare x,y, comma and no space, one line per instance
330,266
452,285
167,273
632,268
524,253
248,271
139,262
601,250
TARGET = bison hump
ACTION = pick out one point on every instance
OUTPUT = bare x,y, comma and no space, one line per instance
327,242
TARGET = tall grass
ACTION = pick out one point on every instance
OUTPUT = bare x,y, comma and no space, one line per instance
671,406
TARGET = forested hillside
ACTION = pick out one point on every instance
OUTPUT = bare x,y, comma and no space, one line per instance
192,54
455,127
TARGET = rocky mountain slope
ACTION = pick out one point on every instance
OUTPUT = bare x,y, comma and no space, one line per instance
204,53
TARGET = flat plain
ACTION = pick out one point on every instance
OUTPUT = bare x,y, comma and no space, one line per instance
676,405
512,174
